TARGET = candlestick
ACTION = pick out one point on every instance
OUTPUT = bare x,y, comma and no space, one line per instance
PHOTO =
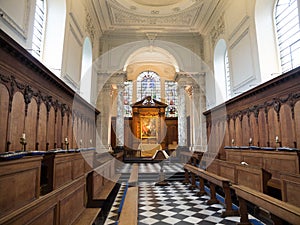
250,141
23,142
67,143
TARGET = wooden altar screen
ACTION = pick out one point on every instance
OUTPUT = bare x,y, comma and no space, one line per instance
148,124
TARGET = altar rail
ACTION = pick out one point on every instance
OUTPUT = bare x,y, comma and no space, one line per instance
35,102
258,116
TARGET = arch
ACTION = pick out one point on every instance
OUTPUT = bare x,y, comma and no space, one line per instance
219,71
152,54
54,35
86,70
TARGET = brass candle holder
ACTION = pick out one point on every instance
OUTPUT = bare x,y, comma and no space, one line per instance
250,141
277,142
23,142
67,143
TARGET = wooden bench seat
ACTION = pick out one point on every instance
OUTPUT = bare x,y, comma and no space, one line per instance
87,217
214,180
280,211
106,189
134,176
290,186
129,213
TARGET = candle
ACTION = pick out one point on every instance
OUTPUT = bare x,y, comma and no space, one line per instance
91,141
23,136
250,141
232,141
66,139
277,139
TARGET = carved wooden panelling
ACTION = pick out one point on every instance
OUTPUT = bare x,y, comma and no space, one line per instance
35,102
17,118
268,111
4,100
30,125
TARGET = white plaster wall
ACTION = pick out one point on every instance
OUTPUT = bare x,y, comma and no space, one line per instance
240,36
16,19
116,49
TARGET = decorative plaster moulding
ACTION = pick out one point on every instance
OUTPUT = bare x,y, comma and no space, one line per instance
154,16
20,28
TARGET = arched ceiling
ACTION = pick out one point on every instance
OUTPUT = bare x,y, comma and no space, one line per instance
160,16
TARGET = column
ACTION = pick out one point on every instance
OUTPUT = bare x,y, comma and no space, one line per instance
120,119
103,120
182,123
199,120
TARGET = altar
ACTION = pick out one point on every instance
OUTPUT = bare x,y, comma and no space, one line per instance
148,126
148,150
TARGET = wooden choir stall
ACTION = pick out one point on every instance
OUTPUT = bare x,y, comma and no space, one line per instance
254,145
50,172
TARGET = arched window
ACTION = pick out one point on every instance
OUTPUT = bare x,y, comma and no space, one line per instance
171,98
227,76
38,28
128,86
86,70
222,73
288,33
148,84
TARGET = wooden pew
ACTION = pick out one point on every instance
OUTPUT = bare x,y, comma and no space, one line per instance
19,183
247,175
129,213
88,216
280,211
275,162
214,180
290,187
101,182
63,206
134,176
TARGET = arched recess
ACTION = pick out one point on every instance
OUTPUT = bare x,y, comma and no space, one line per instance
30,125
17,121
86,70
4,103
42,128
266,40
54,35
219,71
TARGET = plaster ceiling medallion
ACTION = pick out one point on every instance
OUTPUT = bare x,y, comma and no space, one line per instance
154,7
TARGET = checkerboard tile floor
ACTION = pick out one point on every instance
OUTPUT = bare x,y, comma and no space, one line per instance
168,167
174,204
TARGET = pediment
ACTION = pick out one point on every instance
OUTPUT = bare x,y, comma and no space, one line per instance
149,102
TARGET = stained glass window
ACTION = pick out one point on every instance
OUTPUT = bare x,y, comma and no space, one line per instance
171,98
148,84
127,98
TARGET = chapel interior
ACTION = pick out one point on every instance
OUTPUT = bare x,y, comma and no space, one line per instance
149,112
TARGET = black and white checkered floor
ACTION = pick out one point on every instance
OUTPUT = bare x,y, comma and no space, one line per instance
168,167
174,204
